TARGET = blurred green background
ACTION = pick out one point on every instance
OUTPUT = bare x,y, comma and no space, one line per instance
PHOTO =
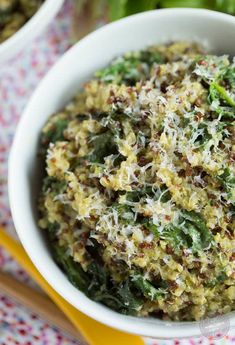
121,8
117,9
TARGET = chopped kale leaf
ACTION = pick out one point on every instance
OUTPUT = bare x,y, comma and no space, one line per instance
148,290
56,133
129,69
227,180
104,145
72,269
52,183
191,232
217,92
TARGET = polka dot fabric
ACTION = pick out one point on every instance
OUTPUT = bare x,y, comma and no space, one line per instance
18,326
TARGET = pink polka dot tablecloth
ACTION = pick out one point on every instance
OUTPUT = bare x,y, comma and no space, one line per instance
18,78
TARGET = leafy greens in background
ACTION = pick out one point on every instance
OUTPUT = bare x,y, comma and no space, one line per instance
89,14
122,8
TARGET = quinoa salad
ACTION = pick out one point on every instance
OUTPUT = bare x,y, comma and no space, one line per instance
138,193
14,14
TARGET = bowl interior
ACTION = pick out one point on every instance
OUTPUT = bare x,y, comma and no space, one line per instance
212,29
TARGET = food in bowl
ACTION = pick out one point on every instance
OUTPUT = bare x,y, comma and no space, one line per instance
14,14
138,197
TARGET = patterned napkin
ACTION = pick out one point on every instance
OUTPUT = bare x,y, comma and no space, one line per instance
18,78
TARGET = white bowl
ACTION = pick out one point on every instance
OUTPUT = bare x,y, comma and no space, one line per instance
29,30
60,84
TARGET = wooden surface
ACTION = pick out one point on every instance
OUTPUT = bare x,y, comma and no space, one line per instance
37,302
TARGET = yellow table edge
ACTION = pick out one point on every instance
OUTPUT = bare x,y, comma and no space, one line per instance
93,332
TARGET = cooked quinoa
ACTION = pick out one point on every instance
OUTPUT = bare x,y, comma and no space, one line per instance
14,14
138,198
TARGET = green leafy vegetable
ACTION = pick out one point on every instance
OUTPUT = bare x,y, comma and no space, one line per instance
226,113
229,76
52,230
181,3
161,194
218,5
54,184
4,18
116,9
73,270
147,288
228,182
217,92
218,280
56,133
175,236
150,57
151,227
225,6
225,103
104,145
130,299
203,137
129,69
121,70
122,8
191,232
199,223
98,285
